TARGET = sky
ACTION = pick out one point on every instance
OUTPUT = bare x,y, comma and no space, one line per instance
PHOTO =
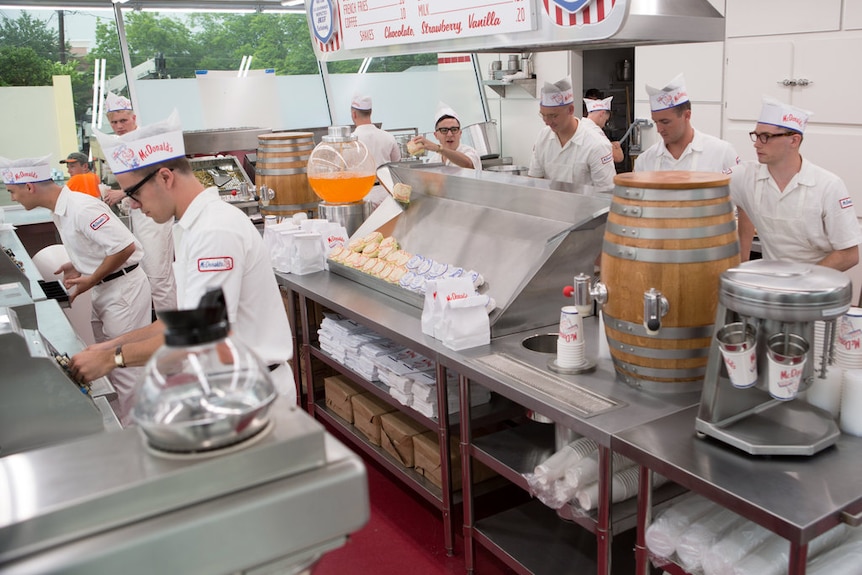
79,24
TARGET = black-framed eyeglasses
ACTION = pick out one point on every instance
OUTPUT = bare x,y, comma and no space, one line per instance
130,192
764,137
453,130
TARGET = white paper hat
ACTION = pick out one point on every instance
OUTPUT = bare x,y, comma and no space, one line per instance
673,94
25,170
361,102
558,94
784,115
597,105
146,146
445,110
114,103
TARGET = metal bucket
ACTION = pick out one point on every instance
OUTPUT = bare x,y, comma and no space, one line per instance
483,137
673,232
282,162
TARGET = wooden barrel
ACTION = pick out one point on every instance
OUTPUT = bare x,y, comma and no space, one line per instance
282,159
673,232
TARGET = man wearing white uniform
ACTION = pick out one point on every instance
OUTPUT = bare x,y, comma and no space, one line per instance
103,254
800,211
598,114
156,238
381,144
681,148
449,150
567,149
216,246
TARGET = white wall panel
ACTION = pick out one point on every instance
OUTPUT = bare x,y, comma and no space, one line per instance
768,17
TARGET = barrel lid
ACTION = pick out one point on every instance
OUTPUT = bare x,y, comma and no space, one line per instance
786,291
672,180
339,134
285,136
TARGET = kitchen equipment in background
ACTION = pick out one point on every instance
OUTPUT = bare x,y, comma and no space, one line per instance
513,64
496,66
341,172
202,389
781,301
624,70
281,163
633,134
484,138
527,64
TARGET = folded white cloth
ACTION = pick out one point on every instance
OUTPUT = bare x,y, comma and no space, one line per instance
404,398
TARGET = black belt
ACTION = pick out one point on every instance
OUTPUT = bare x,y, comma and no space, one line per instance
118,273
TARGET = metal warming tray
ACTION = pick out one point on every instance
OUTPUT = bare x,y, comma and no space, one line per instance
110,504
224,172
527,240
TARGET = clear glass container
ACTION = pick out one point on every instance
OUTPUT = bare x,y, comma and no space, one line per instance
340,169
203,389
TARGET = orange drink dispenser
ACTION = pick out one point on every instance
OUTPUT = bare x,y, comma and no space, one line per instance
341,171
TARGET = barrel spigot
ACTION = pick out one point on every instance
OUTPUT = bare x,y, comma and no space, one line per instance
655,308
585,293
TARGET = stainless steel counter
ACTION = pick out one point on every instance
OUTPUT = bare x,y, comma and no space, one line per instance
400,321
797,497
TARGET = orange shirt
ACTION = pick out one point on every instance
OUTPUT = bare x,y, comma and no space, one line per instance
85,183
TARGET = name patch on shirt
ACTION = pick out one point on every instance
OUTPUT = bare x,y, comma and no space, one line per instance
608,158
99,222
221,264
845,203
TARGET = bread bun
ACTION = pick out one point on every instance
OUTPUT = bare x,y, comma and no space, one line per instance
414,149
401,192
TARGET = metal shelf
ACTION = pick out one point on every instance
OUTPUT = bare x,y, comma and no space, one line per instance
518,450
497,409
532,540
527,86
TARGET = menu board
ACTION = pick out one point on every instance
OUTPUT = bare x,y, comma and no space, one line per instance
370,23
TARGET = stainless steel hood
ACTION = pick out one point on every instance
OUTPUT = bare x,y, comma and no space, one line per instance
599,24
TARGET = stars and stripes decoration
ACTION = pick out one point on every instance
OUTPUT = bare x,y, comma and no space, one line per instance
568,13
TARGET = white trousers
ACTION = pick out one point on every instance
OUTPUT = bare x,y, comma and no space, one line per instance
120,306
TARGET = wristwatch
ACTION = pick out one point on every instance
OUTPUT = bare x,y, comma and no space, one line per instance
119,360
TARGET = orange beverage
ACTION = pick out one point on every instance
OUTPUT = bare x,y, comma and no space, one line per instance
341,187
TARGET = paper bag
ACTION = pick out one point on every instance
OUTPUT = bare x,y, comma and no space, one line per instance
437,292
465,323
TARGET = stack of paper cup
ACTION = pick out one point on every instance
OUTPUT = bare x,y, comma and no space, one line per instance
851,402
570,343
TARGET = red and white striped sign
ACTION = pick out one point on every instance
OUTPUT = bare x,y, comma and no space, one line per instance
334,44
597,11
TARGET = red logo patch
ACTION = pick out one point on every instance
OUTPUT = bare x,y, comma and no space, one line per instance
220,264
845,203
99,222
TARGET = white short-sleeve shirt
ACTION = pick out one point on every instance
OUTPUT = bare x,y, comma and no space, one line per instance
811,218
217,245
704,153
90,231
466,150
586,159
380,143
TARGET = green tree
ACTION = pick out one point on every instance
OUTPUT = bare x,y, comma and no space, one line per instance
280,42
28,32
23,67
148,33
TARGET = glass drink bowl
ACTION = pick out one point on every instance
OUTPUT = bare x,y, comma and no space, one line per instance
340,168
